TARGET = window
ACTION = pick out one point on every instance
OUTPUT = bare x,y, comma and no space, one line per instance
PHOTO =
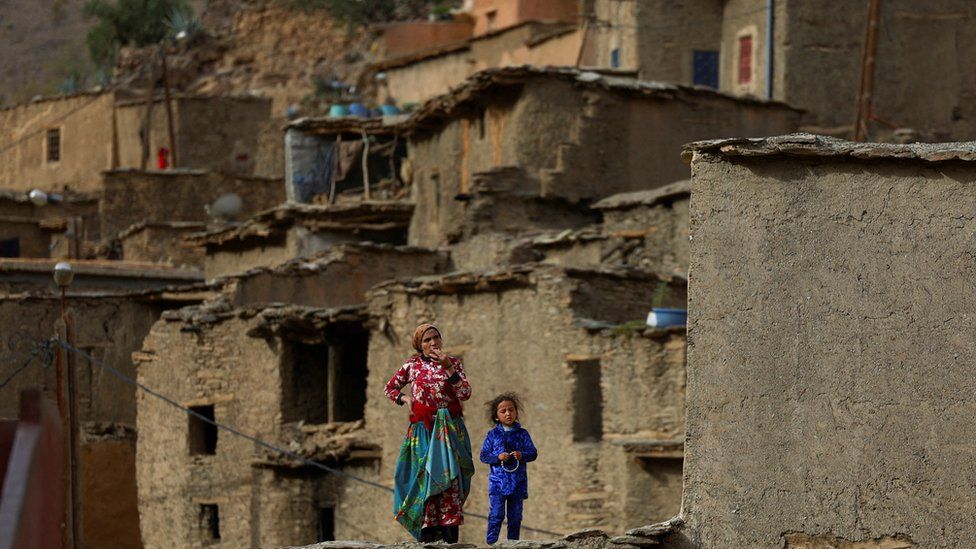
705,69
203,435
326,382
615,58
745,59
587,400
10,247
210,521
54,145
326,524
491,16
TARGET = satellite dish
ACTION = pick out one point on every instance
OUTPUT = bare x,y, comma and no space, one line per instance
227,207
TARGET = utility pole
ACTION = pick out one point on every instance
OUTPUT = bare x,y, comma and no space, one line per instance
866,87
169,108
68,407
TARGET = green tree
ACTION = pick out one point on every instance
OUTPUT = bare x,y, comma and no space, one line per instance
128,22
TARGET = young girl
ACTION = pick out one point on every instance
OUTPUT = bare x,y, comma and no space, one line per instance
507,449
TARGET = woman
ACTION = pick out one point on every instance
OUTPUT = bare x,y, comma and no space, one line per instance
434,470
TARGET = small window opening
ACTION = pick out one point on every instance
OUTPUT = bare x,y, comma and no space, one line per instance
326,524
492,17
210,521
615,58
588,401
326,382
745,60
54,145
203,435
306,383
10,247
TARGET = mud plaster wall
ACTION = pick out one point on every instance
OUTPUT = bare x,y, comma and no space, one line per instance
670,32
338,283
131,196
918,44
162,245
221,134
85,122
611,144
519,339
110,516
829,385
233,257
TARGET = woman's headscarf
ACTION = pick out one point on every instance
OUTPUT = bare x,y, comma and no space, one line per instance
418,336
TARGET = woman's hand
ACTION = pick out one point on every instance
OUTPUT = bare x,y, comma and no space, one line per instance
443,360
407,401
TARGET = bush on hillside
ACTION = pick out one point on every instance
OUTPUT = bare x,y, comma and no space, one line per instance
129,22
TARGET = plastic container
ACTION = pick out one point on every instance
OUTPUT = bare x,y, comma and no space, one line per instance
337,110
358,109
390,110
663,318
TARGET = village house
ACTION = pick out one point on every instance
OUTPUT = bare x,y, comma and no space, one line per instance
650,40
48,229
292,231
111,318
210,487
65,142
916,46
496,134
281,354
830,395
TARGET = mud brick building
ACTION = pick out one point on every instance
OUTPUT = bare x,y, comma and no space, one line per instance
291,373
614,135
292,231
603,405
918,44
829,357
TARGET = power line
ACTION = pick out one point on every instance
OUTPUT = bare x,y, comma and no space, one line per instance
37,348
67,346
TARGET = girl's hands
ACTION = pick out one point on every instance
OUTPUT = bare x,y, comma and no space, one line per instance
517,455
503,456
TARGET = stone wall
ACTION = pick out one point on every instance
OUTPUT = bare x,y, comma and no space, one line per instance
829,382
132,196
520,334
162,243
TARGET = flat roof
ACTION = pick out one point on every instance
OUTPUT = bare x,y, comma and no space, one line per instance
369,215
650,197
806,145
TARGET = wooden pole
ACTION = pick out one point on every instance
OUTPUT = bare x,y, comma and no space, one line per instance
866,86
169,109
365,166
147,118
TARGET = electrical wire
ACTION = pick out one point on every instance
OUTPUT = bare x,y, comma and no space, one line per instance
234,431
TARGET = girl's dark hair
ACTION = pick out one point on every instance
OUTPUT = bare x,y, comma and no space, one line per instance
492,405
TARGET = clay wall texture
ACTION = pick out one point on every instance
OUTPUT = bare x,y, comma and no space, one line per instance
918,44
498,333
611,143
163,244
412,36
829,386
85,123
132,197
223,134
511,12
523,45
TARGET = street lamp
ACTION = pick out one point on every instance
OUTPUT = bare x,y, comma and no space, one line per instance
63,275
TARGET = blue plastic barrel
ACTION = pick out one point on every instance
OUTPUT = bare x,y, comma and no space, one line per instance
662,318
